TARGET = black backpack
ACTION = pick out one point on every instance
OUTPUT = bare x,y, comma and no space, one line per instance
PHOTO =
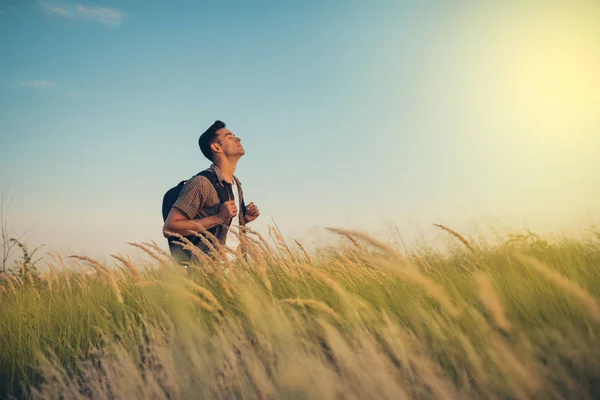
225,194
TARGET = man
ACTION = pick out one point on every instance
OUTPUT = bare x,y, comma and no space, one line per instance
198,203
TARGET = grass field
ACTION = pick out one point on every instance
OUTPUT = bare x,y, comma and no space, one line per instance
518,319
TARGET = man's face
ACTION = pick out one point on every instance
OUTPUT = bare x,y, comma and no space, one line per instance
229,144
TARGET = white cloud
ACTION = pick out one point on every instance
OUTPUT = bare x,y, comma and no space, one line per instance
55,8
38,84
64,12
104,15
108,16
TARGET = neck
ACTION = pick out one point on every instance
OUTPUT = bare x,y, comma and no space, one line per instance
227,167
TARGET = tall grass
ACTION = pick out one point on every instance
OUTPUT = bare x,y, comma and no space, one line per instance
516,320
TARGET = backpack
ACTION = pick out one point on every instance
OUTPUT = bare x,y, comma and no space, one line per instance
170,197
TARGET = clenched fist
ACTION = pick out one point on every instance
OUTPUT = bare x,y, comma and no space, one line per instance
227,211
251,212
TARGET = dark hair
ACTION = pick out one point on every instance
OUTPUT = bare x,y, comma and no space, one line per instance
208,138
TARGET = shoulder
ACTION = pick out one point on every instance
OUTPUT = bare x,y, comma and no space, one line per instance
197,180
198,183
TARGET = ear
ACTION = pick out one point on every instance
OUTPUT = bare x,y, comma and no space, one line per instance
215,148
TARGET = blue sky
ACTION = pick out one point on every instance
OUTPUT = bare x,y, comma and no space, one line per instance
353,114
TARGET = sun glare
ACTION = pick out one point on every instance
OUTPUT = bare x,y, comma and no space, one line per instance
555,82
535,73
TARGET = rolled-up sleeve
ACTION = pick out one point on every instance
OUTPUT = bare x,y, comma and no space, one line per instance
192,197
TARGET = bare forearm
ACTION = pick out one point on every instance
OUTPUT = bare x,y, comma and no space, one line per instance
184,226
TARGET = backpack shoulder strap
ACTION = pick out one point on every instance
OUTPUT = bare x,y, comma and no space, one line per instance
243,208
221,190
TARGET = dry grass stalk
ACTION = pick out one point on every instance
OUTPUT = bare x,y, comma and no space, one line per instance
94,263
357,261
362,267
209,236
432,288
256,254
259,260
517,367
342,257
282,243
267,250
129,265
30,279
353,241
473,356
353,271
260,237
338,268
12,286
277,252
314,304
262,270
209,240
19,280
356,305
261,256
224,257
248,246
570,287
213,244
225,286
186,244
66,275
37,294
176,289
421,262
158,249
373,273
51,276
388,249
148,251
67,278
204,305
323,277
239,255
57,256
106,272
357,265
254,242
492,302
460,237
310,261
204,292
